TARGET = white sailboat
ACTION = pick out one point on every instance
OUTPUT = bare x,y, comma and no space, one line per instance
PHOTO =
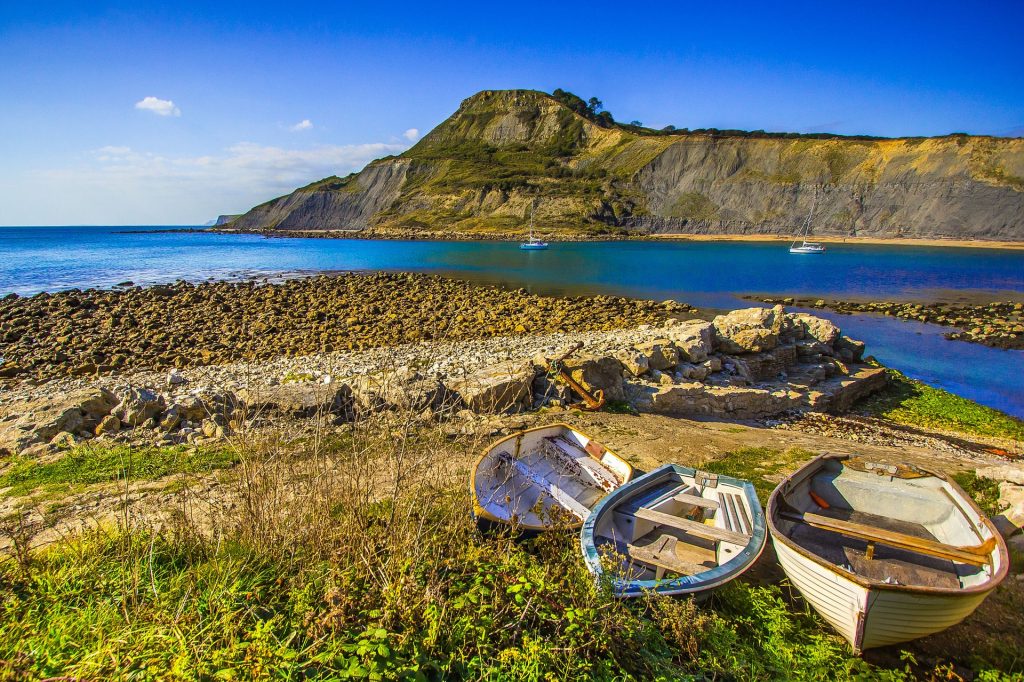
533,244
804,245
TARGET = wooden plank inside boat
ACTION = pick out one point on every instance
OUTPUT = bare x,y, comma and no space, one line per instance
691,527
663,551
977,556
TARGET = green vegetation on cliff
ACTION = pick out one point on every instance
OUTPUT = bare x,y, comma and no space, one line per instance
504,151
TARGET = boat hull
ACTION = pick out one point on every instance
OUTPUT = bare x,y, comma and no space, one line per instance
703,582
533,247
866,611
500,501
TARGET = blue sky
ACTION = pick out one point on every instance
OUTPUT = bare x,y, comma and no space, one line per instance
230,86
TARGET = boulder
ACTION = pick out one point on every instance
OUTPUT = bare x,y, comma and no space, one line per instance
634,361
694,339
817,328
749,330
400,389
95,403
299,399
1014,473
171,417
138,405
1011,495
109,425
660,354
849,349
696,399
597,373
497,388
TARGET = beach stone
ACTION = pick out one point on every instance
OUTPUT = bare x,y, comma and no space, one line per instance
635,362
597,373
1011,495
300,400
176,378
694,339
109,425
138,405
749,330
660,354
1014,473
497,388
171,417
817,328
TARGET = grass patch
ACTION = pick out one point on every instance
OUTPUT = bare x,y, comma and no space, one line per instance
362,577
914,403
89,464
761,466
985,491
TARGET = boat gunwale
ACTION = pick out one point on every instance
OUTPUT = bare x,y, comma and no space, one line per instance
777,535
683,584
480,513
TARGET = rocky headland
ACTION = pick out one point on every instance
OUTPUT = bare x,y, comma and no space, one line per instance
504,154
999,324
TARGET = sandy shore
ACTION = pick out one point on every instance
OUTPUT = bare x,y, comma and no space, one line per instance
958,243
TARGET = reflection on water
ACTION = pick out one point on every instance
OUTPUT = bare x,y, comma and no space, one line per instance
706,274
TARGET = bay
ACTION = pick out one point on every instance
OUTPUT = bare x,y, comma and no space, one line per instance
705,274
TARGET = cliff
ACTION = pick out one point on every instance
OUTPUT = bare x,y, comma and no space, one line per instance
480,171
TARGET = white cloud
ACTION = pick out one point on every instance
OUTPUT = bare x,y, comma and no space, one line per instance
304,124
119,185
411,134
160,107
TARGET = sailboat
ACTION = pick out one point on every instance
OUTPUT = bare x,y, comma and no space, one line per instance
804,245
533,244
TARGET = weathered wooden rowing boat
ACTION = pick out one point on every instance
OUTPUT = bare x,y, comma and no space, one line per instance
674,530
542,477
884,553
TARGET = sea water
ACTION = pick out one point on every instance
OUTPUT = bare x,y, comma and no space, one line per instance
705,274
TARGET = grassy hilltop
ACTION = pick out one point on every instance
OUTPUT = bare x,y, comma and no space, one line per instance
481,170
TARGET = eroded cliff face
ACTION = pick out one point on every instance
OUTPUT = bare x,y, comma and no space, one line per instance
505,151
961,187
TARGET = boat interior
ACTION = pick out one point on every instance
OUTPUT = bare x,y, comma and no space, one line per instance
887,525
546,477
675,527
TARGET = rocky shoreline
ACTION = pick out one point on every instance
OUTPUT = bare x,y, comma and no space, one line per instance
746,364
104,332
999,324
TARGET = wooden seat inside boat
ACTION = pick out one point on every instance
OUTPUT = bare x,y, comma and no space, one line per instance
666,552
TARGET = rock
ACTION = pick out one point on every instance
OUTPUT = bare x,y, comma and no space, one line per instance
695,399
138,405
750,330
300,400
171,417
597,373
844,345
175,378
1014,473
694,372
400,389
497,388
109,425
694,339
1011,521
843,391
1011,495
634,361
660,354
64,441
817,328
95,403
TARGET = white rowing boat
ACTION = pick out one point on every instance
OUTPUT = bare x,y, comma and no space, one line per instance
884,553
543,477
674,530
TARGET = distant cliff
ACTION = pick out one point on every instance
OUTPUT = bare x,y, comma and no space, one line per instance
502,151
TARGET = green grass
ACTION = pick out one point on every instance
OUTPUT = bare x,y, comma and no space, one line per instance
89,464
761,466
985,491
403,587
914,403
